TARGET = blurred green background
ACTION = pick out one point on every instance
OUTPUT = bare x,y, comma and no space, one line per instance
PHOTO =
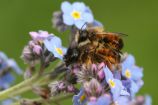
137,18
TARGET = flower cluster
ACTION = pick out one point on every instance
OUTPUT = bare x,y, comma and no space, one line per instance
92,70
74,15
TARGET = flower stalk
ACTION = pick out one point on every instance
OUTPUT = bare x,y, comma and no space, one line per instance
18,89
44,102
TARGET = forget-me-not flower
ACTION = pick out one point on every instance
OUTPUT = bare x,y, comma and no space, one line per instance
80,98
76,14
102,100
133,73
115,84
54,45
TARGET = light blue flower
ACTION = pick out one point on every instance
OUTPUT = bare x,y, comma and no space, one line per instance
130,70
133,73
76,14
123,100
102,100
80,98
115,84
54,45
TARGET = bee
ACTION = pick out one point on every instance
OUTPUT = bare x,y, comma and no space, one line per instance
94,45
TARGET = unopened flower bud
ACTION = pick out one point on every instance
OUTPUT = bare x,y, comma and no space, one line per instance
101,74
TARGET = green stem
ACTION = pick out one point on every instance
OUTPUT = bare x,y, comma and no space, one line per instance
17,89
52,100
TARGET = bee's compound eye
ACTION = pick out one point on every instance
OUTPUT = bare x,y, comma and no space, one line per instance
83,36
121,44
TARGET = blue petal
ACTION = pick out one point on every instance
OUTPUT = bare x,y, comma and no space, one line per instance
88,17
129,62
88,10
108,73
124,92
79,6
123,100
76,98
92,103
97,24
134,88
3,56
66,7
7,78
68,20
14,66
103,100
64,50
148,100
117,89
7,102
80,24
137,73
52,42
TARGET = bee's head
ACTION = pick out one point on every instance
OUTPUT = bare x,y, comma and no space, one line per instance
83,33
71,56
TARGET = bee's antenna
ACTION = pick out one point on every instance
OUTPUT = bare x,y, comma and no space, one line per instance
80,31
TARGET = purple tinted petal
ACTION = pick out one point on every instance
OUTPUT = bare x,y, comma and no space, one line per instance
34,35
126,83
104,100
117,75
92,103
108,73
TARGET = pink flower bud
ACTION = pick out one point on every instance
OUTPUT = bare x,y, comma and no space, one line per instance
101,74
37,49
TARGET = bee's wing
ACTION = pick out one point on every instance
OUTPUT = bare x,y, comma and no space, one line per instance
115,33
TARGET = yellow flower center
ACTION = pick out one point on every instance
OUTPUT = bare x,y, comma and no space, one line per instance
82,98
111,83
128,74
76,15
59,51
